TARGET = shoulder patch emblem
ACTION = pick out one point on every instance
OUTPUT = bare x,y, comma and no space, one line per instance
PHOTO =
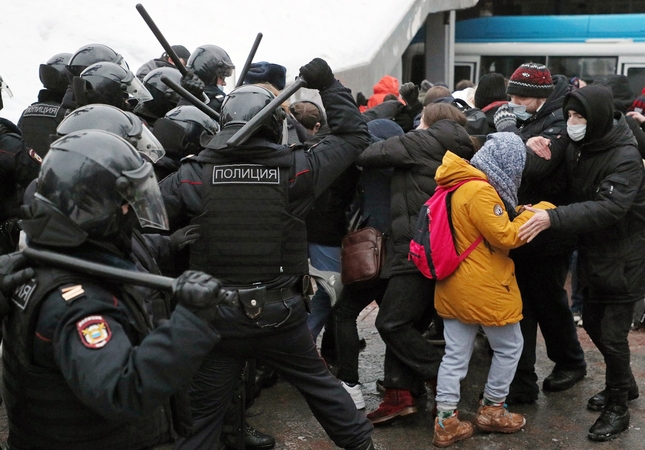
94,331
35,156
497,209
22,295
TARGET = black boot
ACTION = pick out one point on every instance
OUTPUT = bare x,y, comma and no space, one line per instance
597,402
365,445
614,418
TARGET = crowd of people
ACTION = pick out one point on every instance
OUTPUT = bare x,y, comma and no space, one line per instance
235,227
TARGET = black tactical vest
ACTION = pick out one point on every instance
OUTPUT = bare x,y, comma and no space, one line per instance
42,410
248,232
38,122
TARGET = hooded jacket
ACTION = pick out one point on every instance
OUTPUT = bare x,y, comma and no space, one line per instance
415,157
606,174
483,290
386,85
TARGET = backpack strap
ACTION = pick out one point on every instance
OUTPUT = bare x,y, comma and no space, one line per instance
474,245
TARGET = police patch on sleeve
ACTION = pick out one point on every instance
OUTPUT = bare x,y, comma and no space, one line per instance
35,156
94,331
497,209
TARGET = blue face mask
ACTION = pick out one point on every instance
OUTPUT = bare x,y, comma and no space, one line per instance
519,111
577,132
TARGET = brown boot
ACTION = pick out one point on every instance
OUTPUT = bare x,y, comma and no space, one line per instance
451,430
497,419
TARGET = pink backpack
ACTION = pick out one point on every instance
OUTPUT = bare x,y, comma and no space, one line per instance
432,249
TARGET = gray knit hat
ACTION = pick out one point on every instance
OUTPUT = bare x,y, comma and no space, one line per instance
502,159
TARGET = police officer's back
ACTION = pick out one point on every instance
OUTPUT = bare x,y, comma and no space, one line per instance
82,367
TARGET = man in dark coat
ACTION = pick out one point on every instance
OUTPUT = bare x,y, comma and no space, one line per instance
535,113
605,171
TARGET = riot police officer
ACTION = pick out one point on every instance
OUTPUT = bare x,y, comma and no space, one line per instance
19,165
82,366
251,201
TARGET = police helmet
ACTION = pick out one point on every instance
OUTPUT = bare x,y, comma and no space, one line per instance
84,181
113,83
180,131
244,102
54,74
93,53
164,98
210,62
109,118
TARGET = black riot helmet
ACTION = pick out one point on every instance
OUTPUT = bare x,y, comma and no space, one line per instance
91,54
180,131
164,98
114,83
4,88
84,181
210,62
244,102
54,74
109,118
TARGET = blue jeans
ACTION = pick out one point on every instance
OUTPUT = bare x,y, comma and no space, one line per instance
325,258
506,343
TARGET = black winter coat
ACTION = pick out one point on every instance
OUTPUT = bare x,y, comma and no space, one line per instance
415,157
607,182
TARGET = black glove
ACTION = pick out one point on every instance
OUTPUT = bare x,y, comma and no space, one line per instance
410,93
184,236
317,74
193,84
504,118
360,99
14,271
200,293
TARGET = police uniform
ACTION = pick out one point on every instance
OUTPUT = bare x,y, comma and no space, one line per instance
82,367
39,121
251,202
19,165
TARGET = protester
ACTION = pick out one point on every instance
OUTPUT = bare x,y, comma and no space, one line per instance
606,175
465,298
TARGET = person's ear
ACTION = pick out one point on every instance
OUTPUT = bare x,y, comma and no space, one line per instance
316,127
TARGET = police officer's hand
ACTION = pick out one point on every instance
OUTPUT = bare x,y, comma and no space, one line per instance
200,293
193,84
317,74
504,118
14,271
184,236
410,93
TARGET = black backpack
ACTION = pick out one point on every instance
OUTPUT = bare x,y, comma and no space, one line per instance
477,122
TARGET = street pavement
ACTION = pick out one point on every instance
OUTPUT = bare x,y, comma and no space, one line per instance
557,421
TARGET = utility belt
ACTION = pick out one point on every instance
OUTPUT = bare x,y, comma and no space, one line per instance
252,299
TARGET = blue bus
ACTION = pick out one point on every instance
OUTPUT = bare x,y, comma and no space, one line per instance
586,46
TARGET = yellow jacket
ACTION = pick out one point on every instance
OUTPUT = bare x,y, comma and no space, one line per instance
483,290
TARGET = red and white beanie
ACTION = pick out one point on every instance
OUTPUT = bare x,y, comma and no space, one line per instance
530,80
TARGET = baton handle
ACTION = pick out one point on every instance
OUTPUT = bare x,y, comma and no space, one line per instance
210,112
160,37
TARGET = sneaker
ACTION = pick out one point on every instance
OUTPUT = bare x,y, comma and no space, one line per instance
496,418
396,404
448,431
356,394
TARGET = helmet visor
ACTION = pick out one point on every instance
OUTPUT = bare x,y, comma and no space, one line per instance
4,87
144,197
135,88
143,140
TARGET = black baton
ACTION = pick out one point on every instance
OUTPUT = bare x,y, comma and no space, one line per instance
249,60
160,37
203,107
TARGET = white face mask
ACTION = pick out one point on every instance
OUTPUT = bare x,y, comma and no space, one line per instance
577,132
519,111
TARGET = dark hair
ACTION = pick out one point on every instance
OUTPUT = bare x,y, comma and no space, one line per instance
434,93
435,112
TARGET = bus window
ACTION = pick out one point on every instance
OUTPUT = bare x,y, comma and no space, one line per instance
636,76
586,68
465,72
506,65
